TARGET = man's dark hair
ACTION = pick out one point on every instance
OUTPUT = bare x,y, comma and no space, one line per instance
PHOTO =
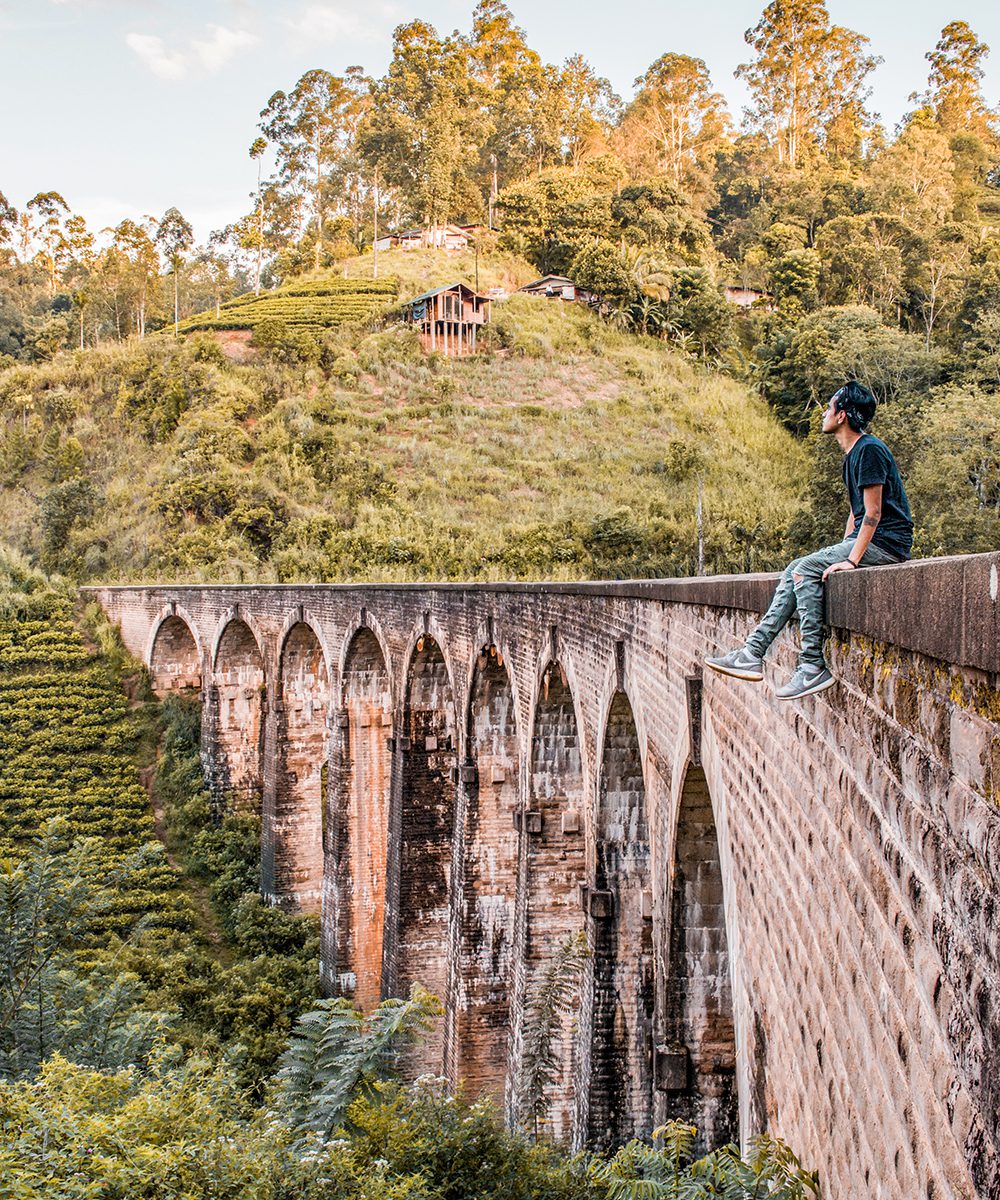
859,404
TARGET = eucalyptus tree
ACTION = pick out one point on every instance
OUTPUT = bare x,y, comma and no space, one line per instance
590,110
257,149
954,93
425,125
311,129
129,268
175,237
808,79
676,122
8,223
48,212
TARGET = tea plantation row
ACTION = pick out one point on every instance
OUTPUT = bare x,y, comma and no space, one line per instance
67,747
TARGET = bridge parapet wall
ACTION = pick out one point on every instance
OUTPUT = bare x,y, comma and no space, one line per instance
858,845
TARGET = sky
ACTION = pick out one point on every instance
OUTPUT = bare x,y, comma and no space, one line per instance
127,107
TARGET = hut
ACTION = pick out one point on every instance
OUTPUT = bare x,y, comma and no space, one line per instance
433,237
448,318
557,287
747,297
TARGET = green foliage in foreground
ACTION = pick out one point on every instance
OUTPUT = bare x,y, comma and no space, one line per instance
181,1130
337,1055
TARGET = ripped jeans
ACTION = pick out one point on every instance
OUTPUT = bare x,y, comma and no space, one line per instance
806,595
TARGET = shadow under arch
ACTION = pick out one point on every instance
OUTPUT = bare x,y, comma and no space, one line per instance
174,656
620,1099
301,769
356,860
490,781
235,715
698,1078
554,832
426,837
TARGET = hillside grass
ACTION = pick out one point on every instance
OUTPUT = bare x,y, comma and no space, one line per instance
565,450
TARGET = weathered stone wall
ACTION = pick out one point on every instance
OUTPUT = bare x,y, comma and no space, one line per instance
817,877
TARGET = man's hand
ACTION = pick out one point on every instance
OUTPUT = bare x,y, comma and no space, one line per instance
839,566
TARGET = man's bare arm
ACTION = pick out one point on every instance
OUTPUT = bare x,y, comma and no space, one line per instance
849,527
869,523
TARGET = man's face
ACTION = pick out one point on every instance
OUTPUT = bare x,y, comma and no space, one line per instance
832,419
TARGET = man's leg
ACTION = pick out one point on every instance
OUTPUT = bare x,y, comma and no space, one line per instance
807,581
747,662
812,674
778,615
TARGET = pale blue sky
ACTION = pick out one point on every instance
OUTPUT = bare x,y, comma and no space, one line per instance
129,106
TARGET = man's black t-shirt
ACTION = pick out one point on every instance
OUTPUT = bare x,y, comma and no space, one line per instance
870,462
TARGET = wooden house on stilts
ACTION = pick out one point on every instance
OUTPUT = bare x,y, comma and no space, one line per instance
448,318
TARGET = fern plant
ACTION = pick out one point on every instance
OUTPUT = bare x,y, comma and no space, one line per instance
336,1054
770,1171
552,998
50,900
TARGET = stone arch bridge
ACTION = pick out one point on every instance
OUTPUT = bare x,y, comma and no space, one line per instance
789,908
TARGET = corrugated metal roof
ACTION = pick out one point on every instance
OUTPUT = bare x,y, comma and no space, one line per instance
561,279
446,288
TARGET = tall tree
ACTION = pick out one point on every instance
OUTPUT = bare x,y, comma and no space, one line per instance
48,212
520,96
257,149
309,128
806,73
175,237
8,222
425,126
676,121
129,268
590,107
954,95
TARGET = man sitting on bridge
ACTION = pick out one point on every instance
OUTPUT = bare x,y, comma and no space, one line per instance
879,531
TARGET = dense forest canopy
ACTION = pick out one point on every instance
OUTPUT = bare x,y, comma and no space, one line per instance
873,253
803,194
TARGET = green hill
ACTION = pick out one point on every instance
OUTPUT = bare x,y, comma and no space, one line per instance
310,305
564,450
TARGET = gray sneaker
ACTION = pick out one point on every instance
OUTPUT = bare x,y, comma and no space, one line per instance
740,664
806,680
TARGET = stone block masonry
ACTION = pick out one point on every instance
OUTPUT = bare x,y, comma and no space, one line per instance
790,908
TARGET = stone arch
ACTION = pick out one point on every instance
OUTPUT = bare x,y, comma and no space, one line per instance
427,828
697,1065
357,848
301,769
490,778
554,829
364,622
621,910
174,655
236,717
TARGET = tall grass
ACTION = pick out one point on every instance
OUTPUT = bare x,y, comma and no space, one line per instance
564,450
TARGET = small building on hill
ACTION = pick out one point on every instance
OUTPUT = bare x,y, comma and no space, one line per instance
433,237
448,318
558,287
744,297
